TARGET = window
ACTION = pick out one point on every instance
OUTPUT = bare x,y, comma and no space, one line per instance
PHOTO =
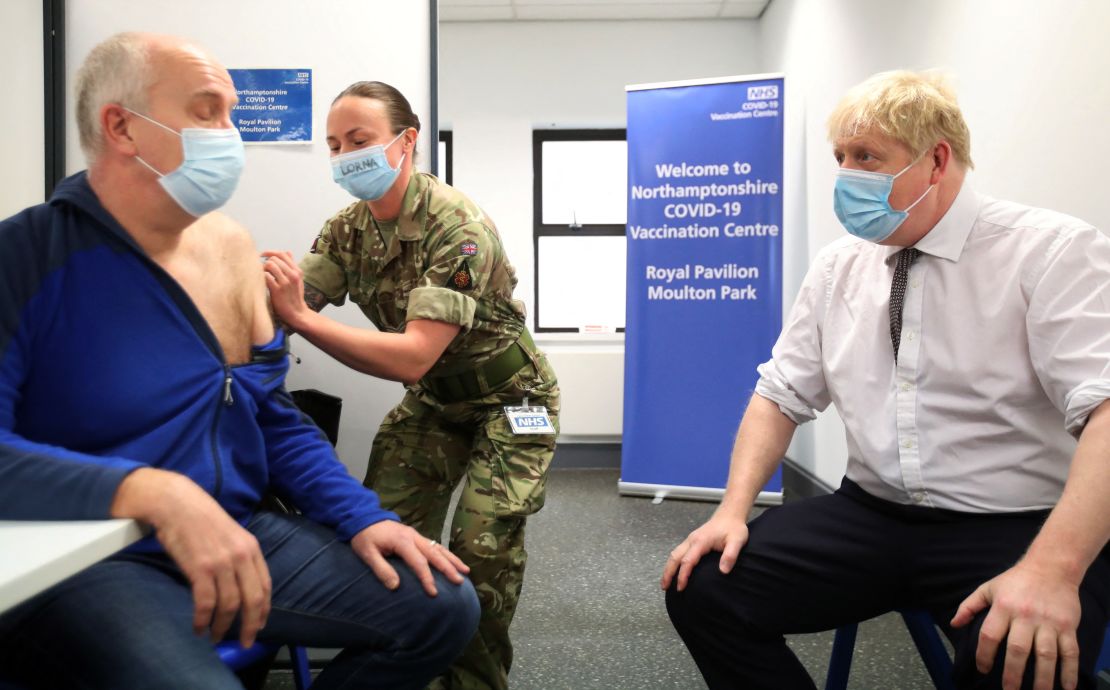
580,196
443,160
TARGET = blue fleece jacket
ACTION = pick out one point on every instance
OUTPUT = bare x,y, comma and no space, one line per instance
107,365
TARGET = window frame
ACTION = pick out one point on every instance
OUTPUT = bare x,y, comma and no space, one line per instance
446,136
541,229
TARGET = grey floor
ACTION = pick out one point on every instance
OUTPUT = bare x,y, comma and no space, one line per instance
591,614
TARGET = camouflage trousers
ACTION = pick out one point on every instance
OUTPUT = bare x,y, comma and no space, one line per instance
421,452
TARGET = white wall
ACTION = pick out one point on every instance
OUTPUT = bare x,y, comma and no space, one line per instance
1031,77
501,80
21,119
286,191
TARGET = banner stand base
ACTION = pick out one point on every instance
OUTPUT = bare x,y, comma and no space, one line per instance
658,492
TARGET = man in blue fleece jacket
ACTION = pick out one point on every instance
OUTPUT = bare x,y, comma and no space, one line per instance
141,376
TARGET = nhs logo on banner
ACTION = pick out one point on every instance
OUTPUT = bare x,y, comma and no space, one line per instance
762,93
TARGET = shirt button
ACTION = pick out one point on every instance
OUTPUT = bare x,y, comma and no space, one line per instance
907,443
906,386
909,335
916,283
918,497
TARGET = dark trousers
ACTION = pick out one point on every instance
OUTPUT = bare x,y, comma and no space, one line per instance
820,563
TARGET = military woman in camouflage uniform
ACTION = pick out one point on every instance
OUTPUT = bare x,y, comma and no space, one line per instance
427,267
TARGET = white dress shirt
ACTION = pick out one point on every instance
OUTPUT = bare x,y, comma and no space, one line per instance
1005,351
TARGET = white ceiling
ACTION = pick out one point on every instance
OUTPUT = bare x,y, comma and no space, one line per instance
534,10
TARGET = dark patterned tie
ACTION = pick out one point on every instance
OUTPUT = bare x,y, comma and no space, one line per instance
906,257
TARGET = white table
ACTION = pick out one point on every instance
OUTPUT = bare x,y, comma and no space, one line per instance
38,555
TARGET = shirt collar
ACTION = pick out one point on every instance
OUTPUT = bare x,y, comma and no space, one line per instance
410,221
359,217
947,238
414,209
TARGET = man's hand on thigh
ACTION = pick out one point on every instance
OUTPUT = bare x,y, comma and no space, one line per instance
1036,613
724,533
221,560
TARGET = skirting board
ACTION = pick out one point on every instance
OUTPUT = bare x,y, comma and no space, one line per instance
689,493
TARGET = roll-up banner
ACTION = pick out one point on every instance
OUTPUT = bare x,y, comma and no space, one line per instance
704,301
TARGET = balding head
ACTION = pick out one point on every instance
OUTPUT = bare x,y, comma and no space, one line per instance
141,99
122,69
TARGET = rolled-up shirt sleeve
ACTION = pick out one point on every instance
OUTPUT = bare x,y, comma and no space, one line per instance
324,266
794,377
1068,321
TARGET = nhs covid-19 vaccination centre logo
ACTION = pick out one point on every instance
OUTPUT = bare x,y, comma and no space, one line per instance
762,101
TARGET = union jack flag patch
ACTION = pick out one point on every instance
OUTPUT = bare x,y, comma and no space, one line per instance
469,248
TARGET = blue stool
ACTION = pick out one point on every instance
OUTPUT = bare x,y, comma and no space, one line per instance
925,637
236,657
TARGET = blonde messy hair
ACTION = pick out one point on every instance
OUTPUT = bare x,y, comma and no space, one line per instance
917,109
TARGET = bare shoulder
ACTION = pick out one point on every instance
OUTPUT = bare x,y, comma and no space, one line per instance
226,246
221,243
221,235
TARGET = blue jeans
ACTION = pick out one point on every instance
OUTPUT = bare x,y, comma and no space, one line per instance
126,622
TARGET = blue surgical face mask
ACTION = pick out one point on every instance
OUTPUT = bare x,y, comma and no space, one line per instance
210,171
861,200
366,173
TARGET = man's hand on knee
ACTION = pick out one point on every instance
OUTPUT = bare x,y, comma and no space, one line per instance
1034,612
724,533
221,560
389,538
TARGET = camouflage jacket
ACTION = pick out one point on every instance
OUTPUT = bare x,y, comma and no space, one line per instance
441,260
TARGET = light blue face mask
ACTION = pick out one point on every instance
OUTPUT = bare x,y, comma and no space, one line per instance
861,200
208,175
366,173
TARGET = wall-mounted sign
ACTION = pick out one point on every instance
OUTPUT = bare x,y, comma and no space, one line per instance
275,105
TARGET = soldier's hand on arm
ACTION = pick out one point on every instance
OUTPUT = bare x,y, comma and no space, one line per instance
389,538
221,560
290,297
